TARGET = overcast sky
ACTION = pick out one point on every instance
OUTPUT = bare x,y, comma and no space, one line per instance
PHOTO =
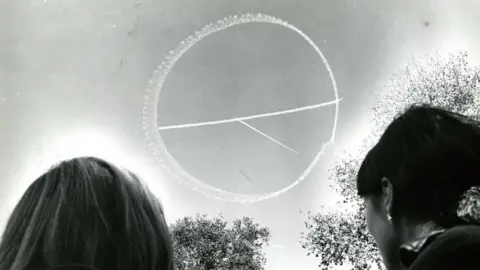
75,72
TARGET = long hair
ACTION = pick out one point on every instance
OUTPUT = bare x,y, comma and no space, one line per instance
431,156
89,212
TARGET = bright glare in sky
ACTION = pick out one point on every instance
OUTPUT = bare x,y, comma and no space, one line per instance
79,143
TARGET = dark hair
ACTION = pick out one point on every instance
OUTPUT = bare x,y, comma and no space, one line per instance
431,156
87,211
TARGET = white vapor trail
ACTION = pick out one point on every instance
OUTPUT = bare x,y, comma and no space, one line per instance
270,138
263,115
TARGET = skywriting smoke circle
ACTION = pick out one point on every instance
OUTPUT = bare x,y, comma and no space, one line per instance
152,96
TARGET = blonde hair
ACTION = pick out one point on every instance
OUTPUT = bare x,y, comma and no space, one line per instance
87,211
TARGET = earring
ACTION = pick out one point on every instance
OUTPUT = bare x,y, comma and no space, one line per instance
389,218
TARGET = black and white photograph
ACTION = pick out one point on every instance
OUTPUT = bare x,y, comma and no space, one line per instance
239,135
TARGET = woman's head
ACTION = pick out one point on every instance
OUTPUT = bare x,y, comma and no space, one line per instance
87,211
417,172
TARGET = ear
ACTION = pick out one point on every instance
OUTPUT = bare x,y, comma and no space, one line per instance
387,195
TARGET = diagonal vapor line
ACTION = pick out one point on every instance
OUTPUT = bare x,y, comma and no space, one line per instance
246,176
263,115
270,138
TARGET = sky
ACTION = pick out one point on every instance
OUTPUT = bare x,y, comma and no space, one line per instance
73,76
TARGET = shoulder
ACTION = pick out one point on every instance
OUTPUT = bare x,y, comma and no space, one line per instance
456,248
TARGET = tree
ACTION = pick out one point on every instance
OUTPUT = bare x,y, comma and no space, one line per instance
201,243
448,82
341,237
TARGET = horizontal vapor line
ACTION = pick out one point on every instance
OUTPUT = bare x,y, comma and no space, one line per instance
270,138
263,115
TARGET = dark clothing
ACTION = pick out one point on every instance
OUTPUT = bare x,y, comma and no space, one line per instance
410,251
452,249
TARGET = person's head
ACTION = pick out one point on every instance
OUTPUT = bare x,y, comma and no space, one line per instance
416,173
88,212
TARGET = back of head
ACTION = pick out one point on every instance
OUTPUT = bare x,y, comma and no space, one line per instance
86,211
431,156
